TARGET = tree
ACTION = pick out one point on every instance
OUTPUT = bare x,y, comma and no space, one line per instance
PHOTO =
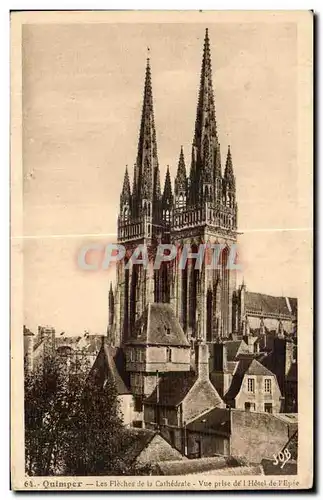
53,391
73,424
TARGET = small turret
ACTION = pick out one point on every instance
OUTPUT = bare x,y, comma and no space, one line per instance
125,197
181,182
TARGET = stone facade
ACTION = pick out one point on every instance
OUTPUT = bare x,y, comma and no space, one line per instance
201,210
259,435
254,436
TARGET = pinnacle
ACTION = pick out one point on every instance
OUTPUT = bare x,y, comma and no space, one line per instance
126,192
229,166
180,180
168,186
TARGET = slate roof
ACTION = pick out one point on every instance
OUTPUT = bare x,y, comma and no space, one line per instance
270,304
139,439
109,362
215,421
235,347
172,388
247,366
232,366
158,325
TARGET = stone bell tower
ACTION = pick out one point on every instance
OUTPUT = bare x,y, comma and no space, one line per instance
205,212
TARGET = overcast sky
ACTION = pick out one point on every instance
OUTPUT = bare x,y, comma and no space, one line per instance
82,98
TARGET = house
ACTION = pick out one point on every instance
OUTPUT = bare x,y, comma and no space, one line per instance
254,436
243,382
157,346
253,388
180,397
67,348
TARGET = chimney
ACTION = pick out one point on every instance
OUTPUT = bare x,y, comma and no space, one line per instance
202,361
28,350
220,357
283,358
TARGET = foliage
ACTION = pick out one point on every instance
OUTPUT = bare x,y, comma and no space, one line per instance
73,424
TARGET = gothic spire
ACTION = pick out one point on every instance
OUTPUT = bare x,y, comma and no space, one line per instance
205,117
126,191
228,172
167,194
147,161
180,179
205,137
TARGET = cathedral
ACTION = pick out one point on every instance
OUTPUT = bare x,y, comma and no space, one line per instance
201,209
183,340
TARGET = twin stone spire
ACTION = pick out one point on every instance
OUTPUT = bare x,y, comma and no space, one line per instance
205,183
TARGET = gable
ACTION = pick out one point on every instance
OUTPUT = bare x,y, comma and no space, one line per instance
201,398
158,450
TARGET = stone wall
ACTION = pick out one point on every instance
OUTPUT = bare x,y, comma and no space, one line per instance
256,436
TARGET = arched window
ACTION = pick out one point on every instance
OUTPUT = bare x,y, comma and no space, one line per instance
181,201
